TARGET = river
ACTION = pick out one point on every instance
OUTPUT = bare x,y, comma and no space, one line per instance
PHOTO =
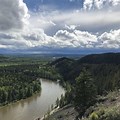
35,106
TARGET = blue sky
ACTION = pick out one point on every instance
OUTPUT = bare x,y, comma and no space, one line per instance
58,4
62,26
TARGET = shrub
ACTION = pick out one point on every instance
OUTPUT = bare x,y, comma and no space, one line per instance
112,114
94,116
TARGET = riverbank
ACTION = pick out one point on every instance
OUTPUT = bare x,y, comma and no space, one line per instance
35,106
18,101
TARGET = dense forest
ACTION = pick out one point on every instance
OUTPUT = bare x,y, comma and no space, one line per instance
20,79
16,84
105,69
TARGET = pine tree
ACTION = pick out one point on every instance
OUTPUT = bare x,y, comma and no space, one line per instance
85,92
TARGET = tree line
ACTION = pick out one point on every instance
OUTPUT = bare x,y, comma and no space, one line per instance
21,81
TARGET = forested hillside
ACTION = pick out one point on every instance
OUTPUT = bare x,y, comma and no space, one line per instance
105,68
89,82
108,58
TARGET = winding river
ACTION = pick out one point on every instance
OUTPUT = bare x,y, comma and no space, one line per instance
35,106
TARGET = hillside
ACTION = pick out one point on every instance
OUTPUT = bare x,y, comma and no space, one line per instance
106,58
105,68
63,66
107,108
95,94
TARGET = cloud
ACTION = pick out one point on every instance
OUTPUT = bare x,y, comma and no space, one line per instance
110,39
63,40
83,39
92,21
79,39
13,14
100,4
71,30
70,27
103,15
24,39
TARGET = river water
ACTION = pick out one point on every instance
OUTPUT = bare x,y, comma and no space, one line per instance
35,106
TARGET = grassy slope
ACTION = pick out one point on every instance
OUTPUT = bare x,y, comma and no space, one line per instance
108,108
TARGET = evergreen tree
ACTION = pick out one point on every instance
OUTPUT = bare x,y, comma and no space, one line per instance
85,92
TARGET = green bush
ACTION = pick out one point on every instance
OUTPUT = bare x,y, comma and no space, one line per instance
94,116
108,114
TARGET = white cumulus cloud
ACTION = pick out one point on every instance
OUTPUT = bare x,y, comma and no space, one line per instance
13,14
110,39
81,39
99,4
71,29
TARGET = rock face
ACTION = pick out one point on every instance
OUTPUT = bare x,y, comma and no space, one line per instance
66,113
